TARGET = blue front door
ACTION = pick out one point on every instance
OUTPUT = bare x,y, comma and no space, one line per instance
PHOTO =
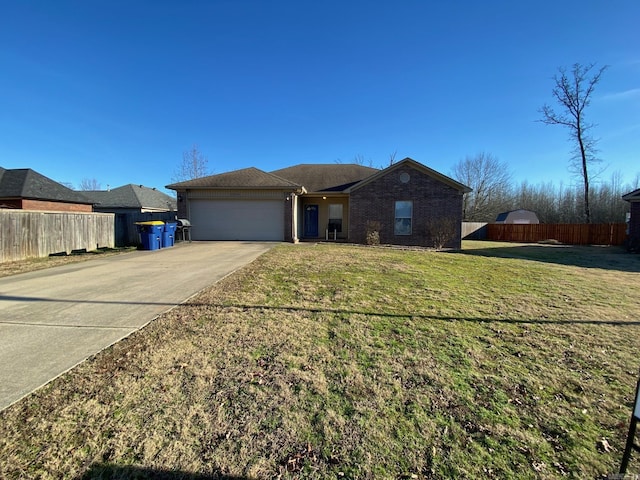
311,220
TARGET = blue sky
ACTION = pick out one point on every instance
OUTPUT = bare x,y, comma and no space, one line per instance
118,90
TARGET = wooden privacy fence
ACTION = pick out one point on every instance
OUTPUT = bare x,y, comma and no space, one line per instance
29,234
569,233
474,230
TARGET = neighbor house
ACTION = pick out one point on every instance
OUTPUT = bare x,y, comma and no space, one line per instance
130,204
633,240
26,189
406,203
517,216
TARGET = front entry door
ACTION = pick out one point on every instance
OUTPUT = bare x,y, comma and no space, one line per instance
311,221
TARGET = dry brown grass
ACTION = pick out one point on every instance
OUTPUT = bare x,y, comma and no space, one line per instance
351,362
34,264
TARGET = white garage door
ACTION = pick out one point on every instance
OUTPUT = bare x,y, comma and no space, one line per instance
237,219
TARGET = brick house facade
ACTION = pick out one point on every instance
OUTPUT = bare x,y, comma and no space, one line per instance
46,205
436,207
26,189
406,203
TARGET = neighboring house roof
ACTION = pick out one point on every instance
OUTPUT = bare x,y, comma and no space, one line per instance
132,196
246,178
632,196
29,184
418,166
326,177
520,211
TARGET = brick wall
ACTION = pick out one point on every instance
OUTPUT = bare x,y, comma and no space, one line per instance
55,206
182,204
288,218
12,203
432,199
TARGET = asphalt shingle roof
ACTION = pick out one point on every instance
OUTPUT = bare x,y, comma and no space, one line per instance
317,178
27,183
326,177
245,178
132,196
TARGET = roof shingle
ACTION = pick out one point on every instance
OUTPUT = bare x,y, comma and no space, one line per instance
27,183
132,196
246,178
326,177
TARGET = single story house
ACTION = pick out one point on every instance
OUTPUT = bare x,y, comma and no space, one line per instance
517,216
406,203
633,240
130,204
26,189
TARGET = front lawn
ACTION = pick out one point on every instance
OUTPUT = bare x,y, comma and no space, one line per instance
338,361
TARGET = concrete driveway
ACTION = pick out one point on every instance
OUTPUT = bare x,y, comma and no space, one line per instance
53,319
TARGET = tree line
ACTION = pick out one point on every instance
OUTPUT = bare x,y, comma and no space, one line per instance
494,192
590,201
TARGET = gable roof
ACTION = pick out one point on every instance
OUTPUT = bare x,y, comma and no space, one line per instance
27,183
246,178
132,196
632,196
418,166
501,217
326,177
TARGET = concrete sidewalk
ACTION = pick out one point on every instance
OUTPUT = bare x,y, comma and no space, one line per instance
53,319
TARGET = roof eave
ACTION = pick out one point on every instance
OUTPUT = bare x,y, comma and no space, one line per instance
632,196
321,193
244,187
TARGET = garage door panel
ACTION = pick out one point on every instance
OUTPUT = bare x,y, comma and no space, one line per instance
237,219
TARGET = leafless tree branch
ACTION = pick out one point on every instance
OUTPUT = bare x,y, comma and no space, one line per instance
573,93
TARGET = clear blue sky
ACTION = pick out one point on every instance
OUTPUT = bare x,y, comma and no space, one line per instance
118,90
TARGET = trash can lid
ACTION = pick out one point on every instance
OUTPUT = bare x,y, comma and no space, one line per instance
151,222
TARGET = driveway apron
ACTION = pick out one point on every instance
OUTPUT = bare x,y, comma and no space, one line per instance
53,319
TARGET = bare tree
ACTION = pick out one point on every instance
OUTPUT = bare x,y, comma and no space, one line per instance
392,157
360,160
573,93
194,165
89,184
490,180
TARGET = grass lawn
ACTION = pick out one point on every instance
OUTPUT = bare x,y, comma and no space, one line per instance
338,361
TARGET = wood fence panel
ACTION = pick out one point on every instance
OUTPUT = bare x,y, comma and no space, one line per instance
474,230
31,234
568,233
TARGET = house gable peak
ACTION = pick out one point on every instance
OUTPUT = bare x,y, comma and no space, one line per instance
409,162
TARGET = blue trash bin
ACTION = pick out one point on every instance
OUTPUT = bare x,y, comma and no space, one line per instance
167,239
169,234
150,234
